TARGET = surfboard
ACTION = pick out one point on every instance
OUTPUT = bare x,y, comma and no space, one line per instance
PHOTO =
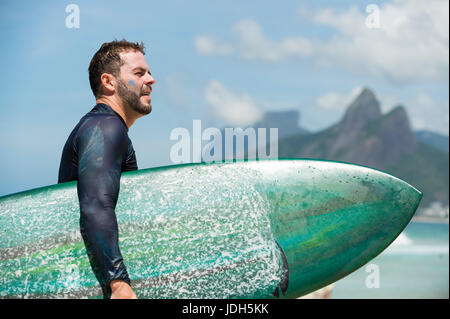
248,229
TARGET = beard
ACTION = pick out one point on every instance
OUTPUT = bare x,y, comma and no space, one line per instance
132,100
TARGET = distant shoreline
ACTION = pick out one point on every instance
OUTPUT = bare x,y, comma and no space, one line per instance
426,219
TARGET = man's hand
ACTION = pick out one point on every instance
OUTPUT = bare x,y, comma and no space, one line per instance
121,290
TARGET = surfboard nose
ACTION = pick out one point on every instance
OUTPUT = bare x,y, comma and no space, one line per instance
332,218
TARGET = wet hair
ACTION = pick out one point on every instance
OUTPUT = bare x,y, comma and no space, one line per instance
107,60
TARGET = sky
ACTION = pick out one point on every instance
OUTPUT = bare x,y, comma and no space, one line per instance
222,62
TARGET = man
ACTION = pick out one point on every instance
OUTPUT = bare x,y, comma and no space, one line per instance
98,150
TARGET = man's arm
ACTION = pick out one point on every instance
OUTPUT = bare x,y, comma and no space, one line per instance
101,148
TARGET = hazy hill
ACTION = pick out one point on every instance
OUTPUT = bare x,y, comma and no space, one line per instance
287,123
433,139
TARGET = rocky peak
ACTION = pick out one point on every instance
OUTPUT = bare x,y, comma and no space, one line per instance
364,109
396,130
384,141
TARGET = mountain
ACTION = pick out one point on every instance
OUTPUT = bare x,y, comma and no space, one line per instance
285,121
433,139
386,142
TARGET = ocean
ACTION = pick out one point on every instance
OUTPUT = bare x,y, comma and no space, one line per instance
415,265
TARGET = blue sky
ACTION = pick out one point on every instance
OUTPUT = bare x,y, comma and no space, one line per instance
252,56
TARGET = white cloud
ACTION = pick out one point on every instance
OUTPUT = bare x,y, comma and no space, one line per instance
233,109
336,101
427,114
410,45
207,45
252,44
348,22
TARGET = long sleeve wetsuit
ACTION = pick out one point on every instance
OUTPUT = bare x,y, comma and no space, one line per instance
95,154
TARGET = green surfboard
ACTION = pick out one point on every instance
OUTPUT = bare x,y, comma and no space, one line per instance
250,229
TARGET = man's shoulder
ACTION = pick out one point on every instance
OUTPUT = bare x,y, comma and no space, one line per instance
102,132
109,125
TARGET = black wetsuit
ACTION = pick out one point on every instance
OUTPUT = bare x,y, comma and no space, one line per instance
95,154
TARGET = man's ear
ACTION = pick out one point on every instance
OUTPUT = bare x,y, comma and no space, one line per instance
109,83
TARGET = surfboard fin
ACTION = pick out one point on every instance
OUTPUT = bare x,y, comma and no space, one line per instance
284,281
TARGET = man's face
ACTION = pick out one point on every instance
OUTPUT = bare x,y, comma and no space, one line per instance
135,82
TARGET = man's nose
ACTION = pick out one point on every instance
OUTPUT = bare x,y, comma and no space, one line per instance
150,79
